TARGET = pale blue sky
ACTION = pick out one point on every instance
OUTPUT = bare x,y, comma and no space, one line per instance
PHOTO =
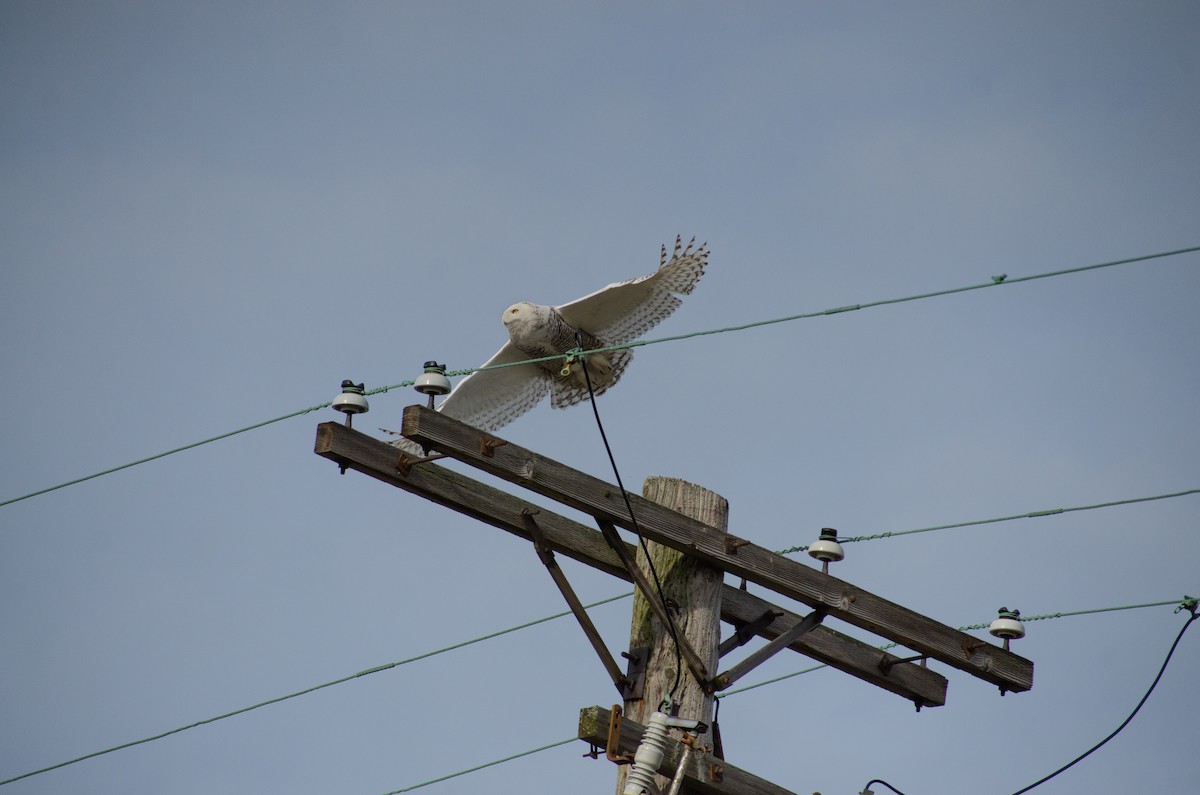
211,214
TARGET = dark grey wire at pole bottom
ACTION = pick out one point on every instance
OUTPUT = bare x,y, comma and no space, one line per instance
1192,608
633,519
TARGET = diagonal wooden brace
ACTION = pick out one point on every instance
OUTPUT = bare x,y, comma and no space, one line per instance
585,621
375,458
745,632
693,661
764,653
790,578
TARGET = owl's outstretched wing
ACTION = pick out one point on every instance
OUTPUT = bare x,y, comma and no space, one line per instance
490,399
624,311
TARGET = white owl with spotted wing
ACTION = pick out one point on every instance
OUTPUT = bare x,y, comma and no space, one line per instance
491,398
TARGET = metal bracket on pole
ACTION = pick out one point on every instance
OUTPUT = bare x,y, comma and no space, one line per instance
612,749
746,631
624,685
694,664
404,463
886,662
637,661
760,656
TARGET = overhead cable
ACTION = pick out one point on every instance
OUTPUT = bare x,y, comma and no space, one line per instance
1188,604
994,282
484,765
966,628
389,666
624,596
376,669
662,597
973,522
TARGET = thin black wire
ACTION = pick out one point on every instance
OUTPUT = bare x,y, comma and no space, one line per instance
633,518
367,672
1114,733
1187,603
1125,722
884,783
995,282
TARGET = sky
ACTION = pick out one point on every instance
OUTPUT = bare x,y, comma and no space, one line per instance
212,213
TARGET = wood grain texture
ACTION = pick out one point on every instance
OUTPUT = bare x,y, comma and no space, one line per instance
692,590
377,459
785,576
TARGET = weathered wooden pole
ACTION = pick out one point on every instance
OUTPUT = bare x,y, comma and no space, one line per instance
693,593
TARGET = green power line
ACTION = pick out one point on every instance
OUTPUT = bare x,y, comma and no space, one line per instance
489,636
484,765
967,628
995,281
306,691
772,681
974,522
535,622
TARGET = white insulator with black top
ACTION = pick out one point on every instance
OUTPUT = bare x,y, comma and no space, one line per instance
827,549
1008,625
352,399
433,381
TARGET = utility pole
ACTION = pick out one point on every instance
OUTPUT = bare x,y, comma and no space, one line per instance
692,591
684,527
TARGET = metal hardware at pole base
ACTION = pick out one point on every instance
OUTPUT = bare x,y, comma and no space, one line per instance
680,771
651,751
638,658
612,749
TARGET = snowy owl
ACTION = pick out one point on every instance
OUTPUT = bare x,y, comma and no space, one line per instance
489,399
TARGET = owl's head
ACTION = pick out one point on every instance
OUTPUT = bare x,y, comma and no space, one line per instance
524,315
